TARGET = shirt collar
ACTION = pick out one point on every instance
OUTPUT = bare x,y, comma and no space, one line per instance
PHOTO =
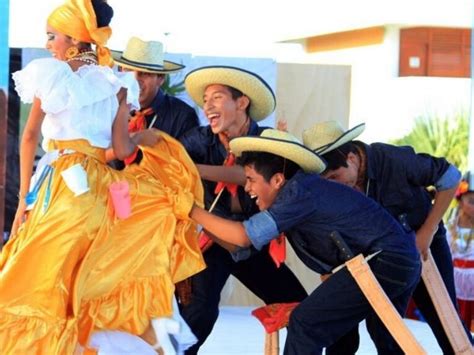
253,128
253,131
369,160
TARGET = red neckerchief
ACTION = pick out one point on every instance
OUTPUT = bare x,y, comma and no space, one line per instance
232,188
137,123
277,250
274,316
230,159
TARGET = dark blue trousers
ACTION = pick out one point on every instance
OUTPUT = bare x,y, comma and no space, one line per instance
338,305
349,343
258,273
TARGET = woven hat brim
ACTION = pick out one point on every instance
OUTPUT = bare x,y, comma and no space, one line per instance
347,136
262,98
309,161
168,66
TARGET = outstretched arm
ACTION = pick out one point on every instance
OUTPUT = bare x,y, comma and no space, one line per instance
231,232
230,174
232,248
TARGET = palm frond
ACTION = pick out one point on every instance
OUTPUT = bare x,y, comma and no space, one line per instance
441,137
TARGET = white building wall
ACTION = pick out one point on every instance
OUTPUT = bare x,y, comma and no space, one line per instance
389,103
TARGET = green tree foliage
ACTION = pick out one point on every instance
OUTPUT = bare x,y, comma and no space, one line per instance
176,87
441,137
172,89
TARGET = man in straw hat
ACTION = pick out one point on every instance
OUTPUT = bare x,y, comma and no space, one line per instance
281,175
233,100
160,110
397,178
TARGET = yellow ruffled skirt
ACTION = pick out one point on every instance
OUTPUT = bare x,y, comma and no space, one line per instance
74,267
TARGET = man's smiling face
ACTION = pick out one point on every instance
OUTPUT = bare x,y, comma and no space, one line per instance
220,108
265,192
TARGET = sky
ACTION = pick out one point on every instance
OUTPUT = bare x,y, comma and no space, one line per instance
243,28
239,28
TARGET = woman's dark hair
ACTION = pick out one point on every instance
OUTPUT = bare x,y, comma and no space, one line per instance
103,12
337,158
236,93
268,164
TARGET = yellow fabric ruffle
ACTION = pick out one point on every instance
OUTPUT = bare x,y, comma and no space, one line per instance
76,267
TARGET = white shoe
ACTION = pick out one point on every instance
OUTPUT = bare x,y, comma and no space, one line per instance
163,327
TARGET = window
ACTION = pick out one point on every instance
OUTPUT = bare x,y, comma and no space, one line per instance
435,51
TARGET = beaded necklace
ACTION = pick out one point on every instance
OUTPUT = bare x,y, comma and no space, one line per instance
88,57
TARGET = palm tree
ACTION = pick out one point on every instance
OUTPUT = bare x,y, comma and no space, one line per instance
176,88
173,89
440,136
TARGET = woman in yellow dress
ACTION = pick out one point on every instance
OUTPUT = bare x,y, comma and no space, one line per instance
72,266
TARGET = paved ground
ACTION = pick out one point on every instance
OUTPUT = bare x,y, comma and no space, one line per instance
237,332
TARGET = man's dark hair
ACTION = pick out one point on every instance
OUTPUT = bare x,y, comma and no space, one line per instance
236,93
268,164
337,158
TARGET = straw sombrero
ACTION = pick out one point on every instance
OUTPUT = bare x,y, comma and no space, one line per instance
326,136
262,99
282,144
145,56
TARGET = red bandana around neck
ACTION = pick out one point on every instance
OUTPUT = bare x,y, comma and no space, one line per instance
137,123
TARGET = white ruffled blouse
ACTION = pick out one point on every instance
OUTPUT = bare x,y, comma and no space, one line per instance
78,105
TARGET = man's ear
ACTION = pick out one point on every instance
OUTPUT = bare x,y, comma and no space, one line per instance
161,79
353,159
278,180
243,102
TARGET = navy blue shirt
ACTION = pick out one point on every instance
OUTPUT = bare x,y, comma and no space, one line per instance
174,116
204,147
398,178
309,208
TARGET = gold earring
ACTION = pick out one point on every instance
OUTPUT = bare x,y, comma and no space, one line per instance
71,52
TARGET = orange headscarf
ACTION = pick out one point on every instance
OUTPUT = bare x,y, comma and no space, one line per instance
76,18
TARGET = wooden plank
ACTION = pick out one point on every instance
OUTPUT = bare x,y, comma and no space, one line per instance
447,314
382,305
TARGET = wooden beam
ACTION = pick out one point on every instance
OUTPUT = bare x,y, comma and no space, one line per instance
348,39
